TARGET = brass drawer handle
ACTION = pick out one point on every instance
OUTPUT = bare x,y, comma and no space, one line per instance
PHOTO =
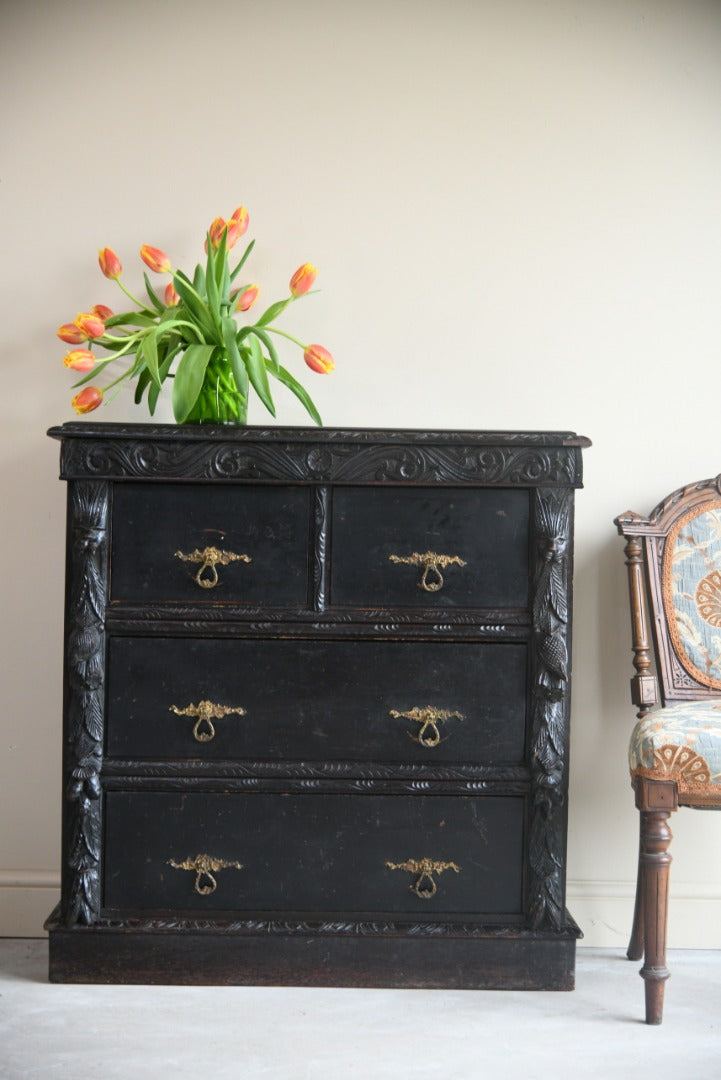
429,718
205,867
432,578
425,868
209,558
206,711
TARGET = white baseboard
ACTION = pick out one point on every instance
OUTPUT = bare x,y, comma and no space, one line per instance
603,909
26,899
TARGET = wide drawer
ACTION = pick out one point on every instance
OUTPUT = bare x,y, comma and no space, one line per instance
404,547
315,853
367,700
210,543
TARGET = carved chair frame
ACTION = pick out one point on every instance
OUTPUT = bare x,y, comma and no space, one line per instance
659,678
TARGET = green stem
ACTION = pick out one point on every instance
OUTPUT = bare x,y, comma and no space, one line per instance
274,330
150,311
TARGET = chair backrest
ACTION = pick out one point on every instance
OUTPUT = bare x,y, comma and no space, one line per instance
674,567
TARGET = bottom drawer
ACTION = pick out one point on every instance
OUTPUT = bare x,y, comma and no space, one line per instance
423,855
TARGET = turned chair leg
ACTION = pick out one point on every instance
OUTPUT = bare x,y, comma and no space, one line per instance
656,800
635,945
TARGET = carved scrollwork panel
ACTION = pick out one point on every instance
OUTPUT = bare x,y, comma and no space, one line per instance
84,688
340,456
549,734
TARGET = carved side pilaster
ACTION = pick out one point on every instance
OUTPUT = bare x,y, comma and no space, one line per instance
84,692
550,706
321,525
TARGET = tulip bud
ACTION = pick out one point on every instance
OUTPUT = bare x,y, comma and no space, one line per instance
170,295
319,359
103,312
110,263
237,225
247,297
155,259
88,399
90,324
303,279
80,360
70,333
215,232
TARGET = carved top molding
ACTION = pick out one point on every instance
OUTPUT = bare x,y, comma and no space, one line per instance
326,455
663,516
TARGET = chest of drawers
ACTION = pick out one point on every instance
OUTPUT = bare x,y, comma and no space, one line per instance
316,707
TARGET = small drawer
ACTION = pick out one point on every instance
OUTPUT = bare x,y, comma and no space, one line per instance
420,702
423,856
210,543
403,547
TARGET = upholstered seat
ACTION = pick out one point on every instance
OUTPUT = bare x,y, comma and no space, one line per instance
681,743
674,574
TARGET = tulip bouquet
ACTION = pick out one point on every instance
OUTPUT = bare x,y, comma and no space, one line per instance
193,335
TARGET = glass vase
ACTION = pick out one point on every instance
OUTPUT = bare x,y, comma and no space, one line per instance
219,401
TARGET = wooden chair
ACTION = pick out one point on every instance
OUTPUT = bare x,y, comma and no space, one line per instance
674,576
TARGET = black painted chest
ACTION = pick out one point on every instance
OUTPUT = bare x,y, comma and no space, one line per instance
317,691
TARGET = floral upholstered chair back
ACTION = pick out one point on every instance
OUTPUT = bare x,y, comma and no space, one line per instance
692,592
680,547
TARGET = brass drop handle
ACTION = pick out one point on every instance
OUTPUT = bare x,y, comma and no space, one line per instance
429,734
209,558
424,886
205,868
431,578
206,712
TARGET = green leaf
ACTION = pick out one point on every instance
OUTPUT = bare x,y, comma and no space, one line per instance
221,257
189,379
176,326
257,373
212,285
274,311
197,309
300,392
141,384
237,366
268,342
199,280
242,262
224,285
163,370
154,298
148,351
134,318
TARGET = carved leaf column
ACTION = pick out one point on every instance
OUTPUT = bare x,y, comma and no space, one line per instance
550,705
84,699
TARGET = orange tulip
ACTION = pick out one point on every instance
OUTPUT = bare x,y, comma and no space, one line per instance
90,324
103,312
110,263
70,333
319,359
80,360
88,399
216,230
247,297
237,225
303,279
155,259
170,295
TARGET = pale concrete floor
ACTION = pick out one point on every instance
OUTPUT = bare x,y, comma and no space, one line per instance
209,1033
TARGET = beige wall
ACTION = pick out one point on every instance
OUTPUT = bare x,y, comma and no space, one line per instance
515,208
